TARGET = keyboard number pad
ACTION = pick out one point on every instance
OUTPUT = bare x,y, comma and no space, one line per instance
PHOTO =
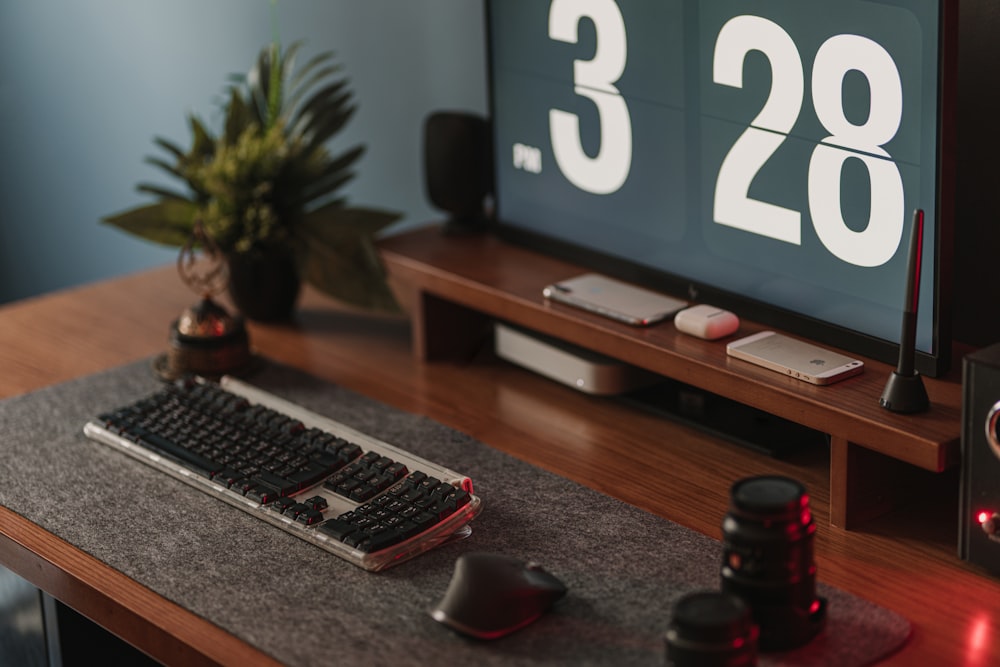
365,478
411,506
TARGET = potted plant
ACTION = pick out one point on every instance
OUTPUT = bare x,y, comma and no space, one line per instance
264,191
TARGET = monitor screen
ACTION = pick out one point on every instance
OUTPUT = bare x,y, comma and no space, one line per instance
767,156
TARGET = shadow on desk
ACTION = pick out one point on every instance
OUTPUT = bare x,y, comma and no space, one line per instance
75,641
22,636
36,630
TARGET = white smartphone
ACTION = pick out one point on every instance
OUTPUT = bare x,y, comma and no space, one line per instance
794,358
615,299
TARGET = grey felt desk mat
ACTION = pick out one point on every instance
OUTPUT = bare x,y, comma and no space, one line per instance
624,567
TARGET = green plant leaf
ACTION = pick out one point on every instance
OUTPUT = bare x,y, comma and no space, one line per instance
334,224
332,178
238,117
171,169
323,189
351,277
342,260
258,84
170,147
161,192
310,70
300,87
167,223
324,119
202,142
331,98
275,86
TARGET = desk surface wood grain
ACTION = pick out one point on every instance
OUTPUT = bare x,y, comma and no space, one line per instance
905,561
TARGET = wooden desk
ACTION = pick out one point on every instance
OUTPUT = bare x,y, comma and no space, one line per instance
905,561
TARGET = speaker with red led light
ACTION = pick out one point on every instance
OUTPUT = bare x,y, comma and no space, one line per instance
979,500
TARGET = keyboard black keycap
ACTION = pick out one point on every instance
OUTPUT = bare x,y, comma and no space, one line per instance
195,462
380,540
309,516
282,505
280,485
227,477
262,493
340,527
311,474
316,503
363,493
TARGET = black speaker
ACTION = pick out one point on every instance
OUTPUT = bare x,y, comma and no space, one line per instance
979,500
458,167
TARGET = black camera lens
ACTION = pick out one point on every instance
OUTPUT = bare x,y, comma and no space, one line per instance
767,538
711,629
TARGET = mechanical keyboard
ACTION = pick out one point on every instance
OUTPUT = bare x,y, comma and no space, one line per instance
353,495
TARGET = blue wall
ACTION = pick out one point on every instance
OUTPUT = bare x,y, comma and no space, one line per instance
86,85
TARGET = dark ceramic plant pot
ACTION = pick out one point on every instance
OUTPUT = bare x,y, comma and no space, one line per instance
264,285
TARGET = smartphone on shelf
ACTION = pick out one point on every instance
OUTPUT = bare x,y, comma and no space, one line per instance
614,299
794,358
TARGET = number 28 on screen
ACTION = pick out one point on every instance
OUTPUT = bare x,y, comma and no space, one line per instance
605,171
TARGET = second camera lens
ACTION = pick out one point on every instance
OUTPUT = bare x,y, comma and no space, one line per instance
768,559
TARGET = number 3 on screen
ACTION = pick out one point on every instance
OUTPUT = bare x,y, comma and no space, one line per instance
594,79
878,241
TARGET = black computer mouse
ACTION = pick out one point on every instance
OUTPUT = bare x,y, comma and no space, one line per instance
492,595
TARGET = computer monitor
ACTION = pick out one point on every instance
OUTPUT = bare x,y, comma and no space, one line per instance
767,157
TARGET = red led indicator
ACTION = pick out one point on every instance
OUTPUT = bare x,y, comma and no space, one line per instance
983,517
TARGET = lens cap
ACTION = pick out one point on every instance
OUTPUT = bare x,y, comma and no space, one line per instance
769,497
711,629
